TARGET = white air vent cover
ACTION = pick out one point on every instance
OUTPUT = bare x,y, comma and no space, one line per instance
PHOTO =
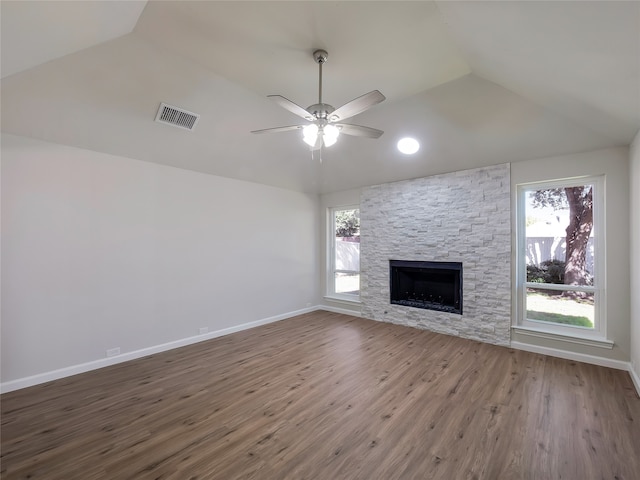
178,117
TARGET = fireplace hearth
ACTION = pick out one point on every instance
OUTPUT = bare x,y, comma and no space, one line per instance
428,285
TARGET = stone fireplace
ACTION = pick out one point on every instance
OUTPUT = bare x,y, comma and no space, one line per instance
430,285
463,218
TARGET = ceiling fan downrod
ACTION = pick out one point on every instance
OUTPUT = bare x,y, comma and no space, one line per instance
320,111
320,56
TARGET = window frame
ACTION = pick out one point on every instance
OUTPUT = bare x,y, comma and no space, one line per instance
599,330
331,264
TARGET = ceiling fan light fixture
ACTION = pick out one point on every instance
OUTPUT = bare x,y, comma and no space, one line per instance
310,134
330,135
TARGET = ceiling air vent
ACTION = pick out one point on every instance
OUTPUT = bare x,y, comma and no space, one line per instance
177,117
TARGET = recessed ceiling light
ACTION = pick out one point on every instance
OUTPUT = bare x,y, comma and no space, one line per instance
408,145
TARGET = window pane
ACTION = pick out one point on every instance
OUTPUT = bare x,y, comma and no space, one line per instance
347,254
348,283
559,235
560,307
346,251
347,223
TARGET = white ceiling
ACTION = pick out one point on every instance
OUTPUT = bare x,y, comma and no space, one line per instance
36,32
477,83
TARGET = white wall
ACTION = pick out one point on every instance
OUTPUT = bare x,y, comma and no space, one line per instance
101,251
614,164
635,259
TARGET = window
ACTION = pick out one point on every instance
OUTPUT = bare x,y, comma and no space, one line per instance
344,253
560,257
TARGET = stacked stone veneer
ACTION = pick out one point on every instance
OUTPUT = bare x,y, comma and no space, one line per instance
457,217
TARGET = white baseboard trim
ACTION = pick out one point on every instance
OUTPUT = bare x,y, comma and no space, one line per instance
578,357
635,378
105,362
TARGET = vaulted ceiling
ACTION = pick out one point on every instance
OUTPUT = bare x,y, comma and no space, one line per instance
477,83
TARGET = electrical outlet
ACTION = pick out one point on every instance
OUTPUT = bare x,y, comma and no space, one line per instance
112,352
204,330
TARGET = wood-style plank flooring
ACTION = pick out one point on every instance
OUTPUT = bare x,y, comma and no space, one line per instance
327,396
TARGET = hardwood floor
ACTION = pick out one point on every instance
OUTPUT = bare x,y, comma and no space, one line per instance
328,396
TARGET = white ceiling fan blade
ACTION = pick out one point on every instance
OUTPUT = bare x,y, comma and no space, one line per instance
356,106
279,129
292,107
358,130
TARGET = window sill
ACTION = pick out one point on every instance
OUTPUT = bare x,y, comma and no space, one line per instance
579,339
340,299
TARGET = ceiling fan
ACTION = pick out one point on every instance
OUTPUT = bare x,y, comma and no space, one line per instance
325,121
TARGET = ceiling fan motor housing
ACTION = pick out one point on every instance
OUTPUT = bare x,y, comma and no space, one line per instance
321,110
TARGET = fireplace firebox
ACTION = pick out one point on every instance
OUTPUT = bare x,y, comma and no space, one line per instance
429,285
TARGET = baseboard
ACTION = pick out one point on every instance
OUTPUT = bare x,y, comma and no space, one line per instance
578,357
635,378
125,357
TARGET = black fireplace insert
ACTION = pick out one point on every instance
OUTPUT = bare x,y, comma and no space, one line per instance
430,285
